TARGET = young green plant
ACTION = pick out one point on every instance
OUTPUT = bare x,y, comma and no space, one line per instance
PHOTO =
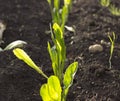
58,58
105,3
57,86
53,89
112,40
60,15
112,8
58,51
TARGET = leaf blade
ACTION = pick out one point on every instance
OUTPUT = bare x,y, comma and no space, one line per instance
22,55
69,76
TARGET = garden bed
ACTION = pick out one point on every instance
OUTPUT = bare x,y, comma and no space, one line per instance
28,21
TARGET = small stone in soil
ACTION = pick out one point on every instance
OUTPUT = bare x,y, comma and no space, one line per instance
95,48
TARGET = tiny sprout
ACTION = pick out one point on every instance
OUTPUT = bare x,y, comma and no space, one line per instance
112,40
114,10
105,3
57,86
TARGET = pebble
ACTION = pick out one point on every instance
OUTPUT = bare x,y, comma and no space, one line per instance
95,48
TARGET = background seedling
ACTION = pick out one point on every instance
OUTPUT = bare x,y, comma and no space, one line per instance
105,3
60,15
112,8
112,40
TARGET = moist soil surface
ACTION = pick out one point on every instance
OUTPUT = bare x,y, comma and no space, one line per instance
28,20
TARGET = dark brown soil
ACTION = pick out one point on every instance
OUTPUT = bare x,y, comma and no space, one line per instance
28,20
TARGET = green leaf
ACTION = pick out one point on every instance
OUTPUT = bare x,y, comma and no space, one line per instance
67,2
58,31
60,44
112,40
52,53
69,76
49,1
64,16
54,58
56,16
52,90
22,55
44,93
60,49
56,4
55,11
